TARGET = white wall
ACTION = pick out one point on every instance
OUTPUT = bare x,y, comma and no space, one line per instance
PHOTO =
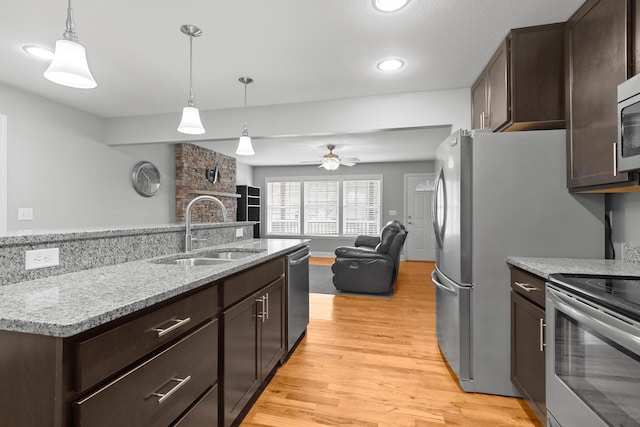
625,219
74,168
435,108
59,166
244,174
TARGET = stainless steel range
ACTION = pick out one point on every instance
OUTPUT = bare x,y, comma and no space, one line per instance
593,351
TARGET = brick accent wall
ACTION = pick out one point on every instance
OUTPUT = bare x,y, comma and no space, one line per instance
192,163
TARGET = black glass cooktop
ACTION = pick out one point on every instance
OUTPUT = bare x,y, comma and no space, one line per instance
620,293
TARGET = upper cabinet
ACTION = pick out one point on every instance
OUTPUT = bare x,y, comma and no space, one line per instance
599,41
522,86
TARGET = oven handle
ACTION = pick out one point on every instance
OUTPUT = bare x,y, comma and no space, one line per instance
620,331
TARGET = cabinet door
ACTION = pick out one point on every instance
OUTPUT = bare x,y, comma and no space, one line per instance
479,103
497,80
597,63
272,344
241,376
527,353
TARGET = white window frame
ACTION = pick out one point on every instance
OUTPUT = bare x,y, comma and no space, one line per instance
377,224
302,179
306,204
268,208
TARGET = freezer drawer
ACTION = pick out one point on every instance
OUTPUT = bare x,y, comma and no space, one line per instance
453,326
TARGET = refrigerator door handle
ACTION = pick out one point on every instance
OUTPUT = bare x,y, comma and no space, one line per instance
444,287
435,208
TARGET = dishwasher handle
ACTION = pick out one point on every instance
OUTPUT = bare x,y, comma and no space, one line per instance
296,258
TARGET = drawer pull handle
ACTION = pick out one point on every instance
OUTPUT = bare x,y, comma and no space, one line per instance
179,323
542,326
267,304
262,314
164,396
525,286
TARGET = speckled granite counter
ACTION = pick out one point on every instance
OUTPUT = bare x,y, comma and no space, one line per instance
71,303
543,267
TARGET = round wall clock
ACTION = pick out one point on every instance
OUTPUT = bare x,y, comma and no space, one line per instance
146,178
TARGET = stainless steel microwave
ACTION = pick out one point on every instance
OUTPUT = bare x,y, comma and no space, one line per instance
628,144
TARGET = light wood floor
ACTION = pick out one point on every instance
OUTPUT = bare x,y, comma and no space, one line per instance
376,362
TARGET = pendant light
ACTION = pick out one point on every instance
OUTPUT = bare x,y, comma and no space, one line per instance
190,123
69,65
244,143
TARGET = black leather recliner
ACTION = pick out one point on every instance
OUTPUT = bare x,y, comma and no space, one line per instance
372,265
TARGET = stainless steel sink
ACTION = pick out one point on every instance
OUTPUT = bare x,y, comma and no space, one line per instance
195,261
225,255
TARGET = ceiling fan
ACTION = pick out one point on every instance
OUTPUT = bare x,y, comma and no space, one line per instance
331,161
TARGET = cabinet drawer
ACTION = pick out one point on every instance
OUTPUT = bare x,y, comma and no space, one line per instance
156,392
107,353
203,413
528,285
246,283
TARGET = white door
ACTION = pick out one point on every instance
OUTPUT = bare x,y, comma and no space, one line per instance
420,244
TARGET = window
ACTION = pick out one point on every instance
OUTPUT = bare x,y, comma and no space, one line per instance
361,201
321,206
283,208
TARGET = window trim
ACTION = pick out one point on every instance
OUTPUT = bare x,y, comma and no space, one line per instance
301,179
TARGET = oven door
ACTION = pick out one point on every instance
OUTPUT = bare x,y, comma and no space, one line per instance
593,363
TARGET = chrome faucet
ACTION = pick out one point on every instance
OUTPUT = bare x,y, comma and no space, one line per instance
188,240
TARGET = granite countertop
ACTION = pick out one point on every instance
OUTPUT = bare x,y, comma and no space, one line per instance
544,267
68,304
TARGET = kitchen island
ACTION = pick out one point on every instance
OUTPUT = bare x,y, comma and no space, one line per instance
144,342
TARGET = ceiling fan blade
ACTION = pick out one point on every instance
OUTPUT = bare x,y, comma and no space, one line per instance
351,159
311,162
343,163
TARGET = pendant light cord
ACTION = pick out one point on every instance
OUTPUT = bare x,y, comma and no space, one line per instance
191,102
244,132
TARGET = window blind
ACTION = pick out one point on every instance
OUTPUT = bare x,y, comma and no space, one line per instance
361,207
321,208
283,208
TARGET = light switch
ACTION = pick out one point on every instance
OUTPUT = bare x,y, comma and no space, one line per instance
393,212
239,232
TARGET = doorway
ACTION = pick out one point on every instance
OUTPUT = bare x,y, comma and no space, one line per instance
420,244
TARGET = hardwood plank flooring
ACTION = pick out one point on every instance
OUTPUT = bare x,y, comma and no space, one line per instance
376,362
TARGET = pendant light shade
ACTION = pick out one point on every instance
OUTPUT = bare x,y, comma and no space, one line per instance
244,143
69,66
190,122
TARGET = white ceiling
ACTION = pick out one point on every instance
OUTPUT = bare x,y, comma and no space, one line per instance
295,50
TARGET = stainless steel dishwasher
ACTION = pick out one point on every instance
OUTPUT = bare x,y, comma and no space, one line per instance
297,296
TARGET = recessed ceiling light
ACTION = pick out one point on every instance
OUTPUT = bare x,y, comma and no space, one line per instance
389,5
39,52
390,65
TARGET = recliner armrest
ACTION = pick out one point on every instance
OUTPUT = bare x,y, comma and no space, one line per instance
359,253
368,241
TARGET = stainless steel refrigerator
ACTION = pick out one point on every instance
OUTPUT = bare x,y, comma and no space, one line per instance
498,195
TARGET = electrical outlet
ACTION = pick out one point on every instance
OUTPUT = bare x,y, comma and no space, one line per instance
239,232
41,258
25,214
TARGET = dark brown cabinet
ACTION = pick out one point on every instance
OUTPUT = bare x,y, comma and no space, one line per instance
151,367
253,333
522,86
598,41
528,339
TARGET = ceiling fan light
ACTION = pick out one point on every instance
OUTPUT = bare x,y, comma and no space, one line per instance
69,66
190,123
331,164
244,146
